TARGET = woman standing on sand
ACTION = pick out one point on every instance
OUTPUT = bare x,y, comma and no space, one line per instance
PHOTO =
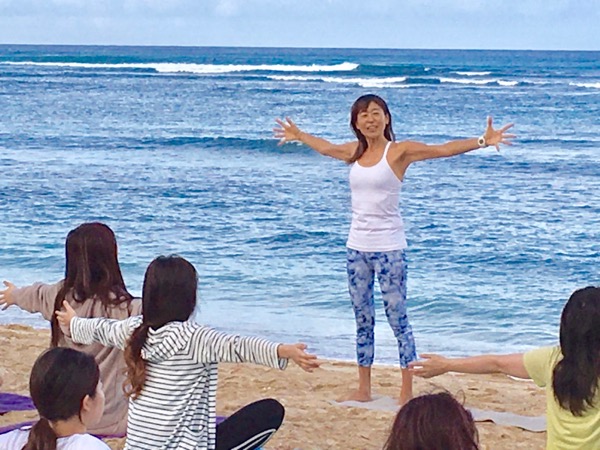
376,242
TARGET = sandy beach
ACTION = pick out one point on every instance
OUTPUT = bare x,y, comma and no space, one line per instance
312,422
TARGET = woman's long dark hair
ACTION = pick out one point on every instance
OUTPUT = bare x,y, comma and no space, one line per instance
91,270
360,105
60,380
433,422
169,295
576,377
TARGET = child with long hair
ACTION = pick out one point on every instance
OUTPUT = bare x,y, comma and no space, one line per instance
570,373
172,367
94,287
66,389
433,422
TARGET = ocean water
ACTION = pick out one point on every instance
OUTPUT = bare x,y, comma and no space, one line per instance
172,147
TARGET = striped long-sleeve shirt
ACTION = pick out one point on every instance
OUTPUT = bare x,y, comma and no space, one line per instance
176,408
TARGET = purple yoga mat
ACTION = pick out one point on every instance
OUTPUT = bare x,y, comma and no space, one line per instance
14,402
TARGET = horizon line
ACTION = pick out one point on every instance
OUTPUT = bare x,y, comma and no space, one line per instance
2,44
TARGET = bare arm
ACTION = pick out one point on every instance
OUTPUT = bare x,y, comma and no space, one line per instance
434,365
417,151
288,131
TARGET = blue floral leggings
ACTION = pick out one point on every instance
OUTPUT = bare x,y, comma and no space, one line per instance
390,268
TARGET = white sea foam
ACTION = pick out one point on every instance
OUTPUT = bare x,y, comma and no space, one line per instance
473,74
586,85
466,81
363,82
482,82
196,68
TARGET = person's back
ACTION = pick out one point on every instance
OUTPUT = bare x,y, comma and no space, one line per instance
94,287
571,375
172,367
566,431
176,405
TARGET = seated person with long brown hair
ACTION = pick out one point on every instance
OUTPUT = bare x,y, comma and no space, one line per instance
93,285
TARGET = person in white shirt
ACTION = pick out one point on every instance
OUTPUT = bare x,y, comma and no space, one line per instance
172,367
376,242
66,389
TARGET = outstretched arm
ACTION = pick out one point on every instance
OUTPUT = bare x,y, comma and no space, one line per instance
288,131
417,151
297,353
108,332
38,297
210,345
434,365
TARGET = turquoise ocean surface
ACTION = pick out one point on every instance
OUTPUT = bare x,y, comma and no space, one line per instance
172,148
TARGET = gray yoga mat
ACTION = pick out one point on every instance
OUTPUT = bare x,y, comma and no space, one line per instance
536,424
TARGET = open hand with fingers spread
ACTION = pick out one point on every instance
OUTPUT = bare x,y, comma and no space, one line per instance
6,298
297,353
64,316
497,137
287,131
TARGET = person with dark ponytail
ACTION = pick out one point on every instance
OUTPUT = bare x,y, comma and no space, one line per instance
570,373
66,389
376,242
172,367
94,286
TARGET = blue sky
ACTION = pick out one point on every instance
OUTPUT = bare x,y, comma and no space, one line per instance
487,24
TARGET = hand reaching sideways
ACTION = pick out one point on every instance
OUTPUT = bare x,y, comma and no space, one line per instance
497,137
6,298
297,353
288,131
429,365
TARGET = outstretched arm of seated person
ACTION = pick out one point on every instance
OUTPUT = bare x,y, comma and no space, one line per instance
432,365
297,353
215,346
6,296
108,332
38,297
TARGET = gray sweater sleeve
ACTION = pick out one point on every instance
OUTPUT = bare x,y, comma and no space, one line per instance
38,297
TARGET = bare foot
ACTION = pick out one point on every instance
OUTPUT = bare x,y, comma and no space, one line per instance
356,396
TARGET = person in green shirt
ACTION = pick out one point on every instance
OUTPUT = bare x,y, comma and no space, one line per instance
570,373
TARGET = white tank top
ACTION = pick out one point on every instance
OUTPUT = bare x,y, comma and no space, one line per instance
376,222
